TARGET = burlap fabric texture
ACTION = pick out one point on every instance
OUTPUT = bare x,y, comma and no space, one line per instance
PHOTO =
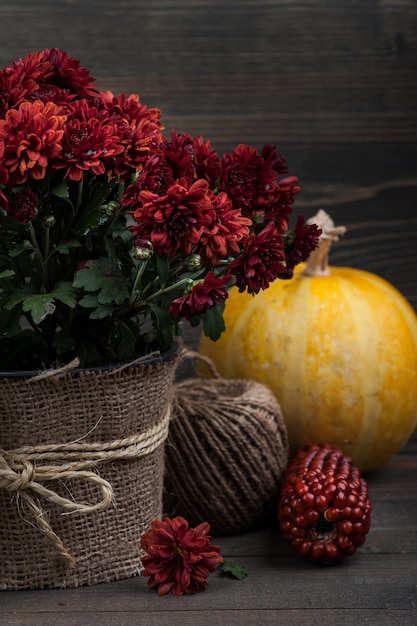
226,451
81,472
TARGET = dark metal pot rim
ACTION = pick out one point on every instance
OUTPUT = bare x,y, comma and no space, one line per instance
163,357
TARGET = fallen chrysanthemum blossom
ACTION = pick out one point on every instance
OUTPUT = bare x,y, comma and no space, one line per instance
179,559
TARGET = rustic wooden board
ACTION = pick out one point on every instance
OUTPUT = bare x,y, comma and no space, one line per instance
376,586
382,617
333,85
297,72
302,71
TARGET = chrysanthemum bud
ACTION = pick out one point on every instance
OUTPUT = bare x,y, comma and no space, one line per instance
143,249
48,221
258,219
135,178
194,262
112,207
82,265
193,283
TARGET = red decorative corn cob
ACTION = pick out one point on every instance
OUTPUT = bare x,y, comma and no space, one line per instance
324,509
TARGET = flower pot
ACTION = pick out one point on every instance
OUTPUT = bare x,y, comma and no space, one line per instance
81,471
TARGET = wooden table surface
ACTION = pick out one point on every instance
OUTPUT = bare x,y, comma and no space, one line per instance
378,585
333,85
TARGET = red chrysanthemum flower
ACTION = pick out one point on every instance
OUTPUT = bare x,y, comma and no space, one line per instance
278,163
248,179
139,130
36,74
204,294
206,161
35,65
174,222
52,93
70,74
4,172
299,245
179,153
129,107
141,141
179,559
156,176
280,210
13,89
222,238
19,81
261,262
22,206
32,136
90,142
34,69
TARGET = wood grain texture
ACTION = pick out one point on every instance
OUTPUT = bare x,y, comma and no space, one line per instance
333,85
263,617
376,586
292,72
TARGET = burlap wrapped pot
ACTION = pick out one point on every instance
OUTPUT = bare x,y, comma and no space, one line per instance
81,471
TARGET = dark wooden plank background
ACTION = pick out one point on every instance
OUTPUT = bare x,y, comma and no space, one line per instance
332,83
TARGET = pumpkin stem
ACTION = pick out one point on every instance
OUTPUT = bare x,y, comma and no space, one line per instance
318,261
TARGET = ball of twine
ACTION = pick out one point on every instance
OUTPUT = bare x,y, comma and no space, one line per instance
226,451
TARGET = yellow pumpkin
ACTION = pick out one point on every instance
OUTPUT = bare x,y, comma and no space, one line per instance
338,347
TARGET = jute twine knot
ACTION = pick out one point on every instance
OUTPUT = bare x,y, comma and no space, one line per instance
23,471
17,481
226,451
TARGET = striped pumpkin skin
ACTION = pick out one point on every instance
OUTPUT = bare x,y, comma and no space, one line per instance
340,354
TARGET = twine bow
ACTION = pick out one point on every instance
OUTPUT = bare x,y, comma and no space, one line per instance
22,472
